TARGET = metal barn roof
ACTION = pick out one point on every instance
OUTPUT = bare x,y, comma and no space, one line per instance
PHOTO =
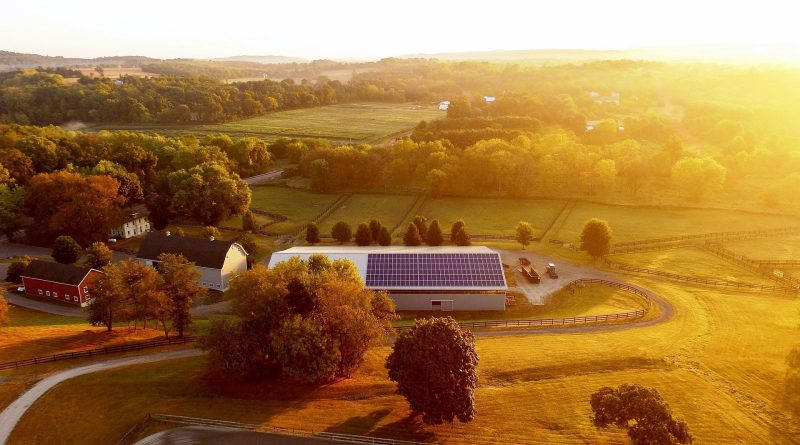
473,268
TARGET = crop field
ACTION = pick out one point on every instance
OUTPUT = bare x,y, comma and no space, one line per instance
492,216
344,123
636,223
298,205
719,363
389,209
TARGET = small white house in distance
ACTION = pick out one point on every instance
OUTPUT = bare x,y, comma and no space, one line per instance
614,97
136,223
423,278
488,99
216,260
444,105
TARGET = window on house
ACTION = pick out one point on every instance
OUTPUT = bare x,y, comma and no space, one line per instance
55,294
48,293
75,298
40,292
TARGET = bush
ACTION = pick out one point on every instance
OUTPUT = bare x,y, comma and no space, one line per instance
16,268
384,237
412,238
434,236
363,235
342,232
312,233
596,238
66,250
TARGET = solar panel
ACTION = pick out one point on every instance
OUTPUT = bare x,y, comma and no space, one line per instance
457,270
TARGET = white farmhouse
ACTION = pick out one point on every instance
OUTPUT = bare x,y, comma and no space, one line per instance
136,223
216,260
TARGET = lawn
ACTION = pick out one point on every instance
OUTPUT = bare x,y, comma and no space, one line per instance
492,216
719,363
389,209
343,123
635,223
298,205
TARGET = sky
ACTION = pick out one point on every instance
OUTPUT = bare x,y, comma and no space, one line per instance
350,29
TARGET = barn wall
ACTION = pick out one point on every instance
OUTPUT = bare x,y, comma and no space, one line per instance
33,286
461,302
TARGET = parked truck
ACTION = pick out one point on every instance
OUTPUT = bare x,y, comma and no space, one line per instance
551,271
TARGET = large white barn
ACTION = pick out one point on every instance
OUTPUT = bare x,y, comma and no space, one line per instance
423,278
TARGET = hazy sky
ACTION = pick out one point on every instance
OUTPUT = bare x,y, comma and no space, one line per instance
368,29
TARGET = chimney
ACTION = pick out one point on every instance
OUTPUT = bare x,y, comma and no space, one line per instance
168,234
211,238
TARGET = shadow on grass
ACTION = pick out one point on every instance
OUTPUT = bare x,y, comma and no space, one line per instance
583,368
359,424
407,428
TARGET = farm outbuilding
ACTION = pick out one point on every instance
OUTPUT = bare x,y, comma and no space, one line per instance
62,282
423,278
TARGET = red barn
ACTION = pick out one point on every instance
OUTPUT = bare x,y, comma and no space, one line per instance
63,282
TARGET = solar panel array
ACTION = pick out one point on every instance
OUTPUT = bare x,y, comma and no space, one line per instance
456,270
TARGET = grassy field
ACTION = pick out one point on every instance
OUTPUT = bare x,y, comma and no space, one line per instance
719,363
693,263
768,248
344,123
389,209
298,205
636,223
492,216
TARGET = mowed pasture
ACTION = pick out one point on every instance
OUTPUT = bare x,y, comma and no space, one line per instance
788,248
342,124
631,223
299,206
389,209
719,363
488,216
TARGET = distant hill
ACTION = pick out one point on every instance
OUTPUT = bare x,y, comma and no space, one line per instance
11,60
710,53
265,60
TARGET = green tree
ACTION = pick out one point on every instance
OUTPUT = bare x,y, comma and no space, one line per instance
363,235
459,107
422,225
312,233
434,236
342,232
249,223
524,234
412,238
180,285
640,410
66,250
211,231
302,351
12,211
596,238
435,367
16,269
462,238
375,228
698,177
249,244
108,301
4,310
208,193
384,237
319,172
457,227
98,255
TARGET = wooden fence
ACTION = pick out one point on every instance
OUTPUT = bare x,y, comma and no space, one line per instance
726,254
706,236
700,280
98,351
338,437
567,320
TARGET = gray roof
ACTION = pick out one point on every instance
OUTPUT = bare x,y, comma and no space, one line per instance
56,272
202,252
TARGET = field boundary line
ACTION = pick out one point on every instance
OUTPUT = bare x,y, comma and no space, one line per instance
416,205
628,246
126,347
560,219
338,437
716,249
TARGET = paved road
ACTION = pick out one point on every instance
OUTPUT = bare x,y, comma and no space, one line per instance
10,416
225,436
274,174
51,308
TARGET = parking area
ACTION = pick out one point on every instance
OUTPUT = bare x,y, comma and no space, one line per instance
537,292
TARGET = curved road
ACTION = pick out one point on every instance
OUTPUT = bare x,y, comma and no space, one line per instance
11,415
